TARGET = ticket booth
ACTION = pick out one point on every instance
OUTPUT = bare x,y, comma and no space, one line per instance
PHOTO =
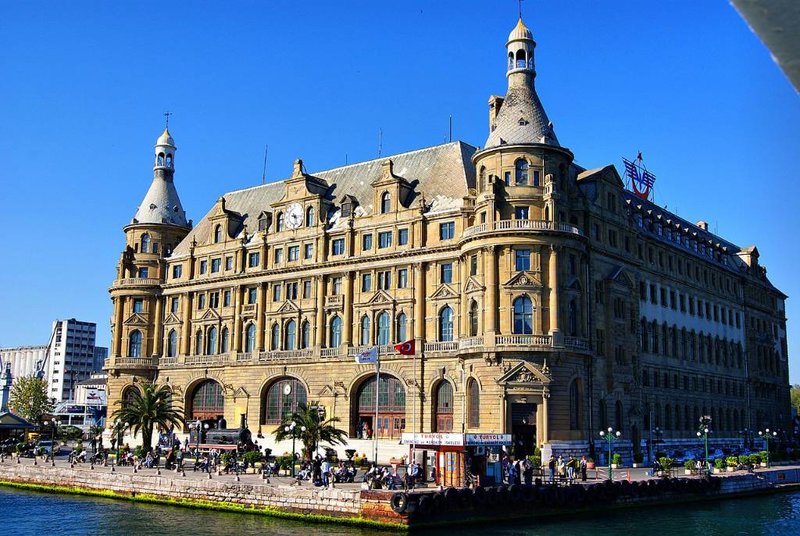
448,453
484,457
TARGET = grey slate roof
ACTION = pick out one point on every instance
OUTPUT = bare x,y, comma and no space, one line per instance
161,203
522,119
442,174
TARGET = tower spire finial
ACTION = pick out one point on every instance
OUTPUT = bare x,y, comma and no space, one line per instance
520,8
167,114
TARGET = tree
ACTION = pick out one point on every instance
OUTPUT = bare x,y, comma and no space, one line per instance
317,430
28,398
795,396
149,406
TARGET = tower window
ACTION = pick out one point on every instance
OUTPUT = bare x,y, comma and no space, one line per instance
521,171
145,243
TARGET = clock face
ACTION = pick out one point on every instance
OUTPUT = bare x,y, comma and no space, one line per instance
294,216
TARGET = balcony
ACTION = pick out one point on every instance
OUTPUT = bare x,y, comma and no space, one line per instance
286,355
249,309
130,362
136,282
212,359
527,341
446,346
334,302
386,349
520,225
327,353
575,344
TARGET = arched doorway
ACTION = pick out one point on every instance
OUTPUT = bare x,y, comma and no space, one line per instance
281,398
443,407
391,409
207,402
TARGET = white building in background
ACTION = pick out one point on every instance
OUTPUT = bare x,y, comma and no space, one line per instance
24,360
73,357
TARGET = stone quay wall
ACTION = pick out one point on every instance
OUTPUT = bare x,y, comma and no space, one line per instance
344,504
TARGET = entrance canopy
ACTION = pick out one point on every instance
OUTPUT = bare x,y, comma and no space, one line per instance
9,421
455,440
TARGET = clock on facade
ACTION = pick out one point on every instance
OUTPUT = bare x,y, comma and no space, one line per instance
294,216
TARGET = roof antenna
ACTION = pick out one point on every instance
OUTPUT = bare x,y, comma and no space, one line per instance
264,172
451,128
166,115
520,9
380,141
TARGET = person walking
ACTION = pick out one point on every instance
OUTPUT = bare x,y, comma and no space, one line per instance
325,468
571,463
551,468
583,468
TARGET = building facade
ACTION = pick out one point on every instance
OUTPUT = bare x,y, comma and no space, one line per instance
72,357
23,361
545,300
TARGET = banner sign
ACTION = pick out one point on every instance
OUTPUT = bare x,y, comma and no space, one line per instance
488,439
444,440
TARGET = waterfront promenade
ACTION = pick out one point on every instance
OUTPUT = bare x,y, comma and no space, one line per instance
348,503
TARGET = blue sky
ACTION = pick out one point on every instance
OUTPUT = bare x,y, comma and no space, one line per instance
83,87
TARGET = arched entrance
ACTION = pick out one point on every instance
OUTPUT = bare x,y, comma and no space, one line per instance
207,402
443,407
391,409
281,398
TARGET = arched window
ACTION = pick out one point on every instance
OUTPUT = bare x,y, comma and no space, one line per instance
281,399
572,318
444,407
482,178
250,339
275,339
619,417
446,324
473,401
473,319
402,324
336,332
224,343
291,335
145,243
129,394
386,202
574,405
384,328
391,408
211,341
169,159
208,401
218,234
678,421
279,222
198,343
172,343
305,334
521,61
135,344
310,217
521,171
160,159
523,315
644,335
364,330
667,417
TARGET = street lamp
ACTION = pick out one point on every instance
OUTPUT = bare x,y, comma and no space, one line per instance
610,436
120,428
705,423
768,436
292,429
53,444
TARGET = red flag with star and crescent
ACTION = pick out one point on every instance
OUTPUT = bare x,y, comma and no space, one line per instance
405,348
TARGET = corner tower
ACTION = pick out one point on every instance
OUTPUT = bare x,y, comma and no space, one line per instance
157,227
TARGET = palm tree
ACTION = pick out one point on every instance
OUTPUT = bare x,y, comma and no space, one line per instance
316,430
147,408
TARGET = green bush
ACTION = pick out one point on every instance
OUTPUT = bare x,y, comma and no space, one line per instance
20,447
731,461
284,462
616,459
688,464
535,460
744,459
138,451
226,458
754,459
764,455
252,457
666,462
719,463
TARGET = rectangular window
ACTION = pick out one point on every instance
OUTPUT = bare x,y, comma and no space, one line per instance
595,231
653,294
291,291
627,244
201,301
294,253
177,271
307,288
308,251
691,306
384,239
446,272
279,256
213,300
385,280
447,230
174,303
682,301
251,295
144,273
402,278
336,285
522,259
642,291
663,297
337,246
216,264
520,213
226,298
402,237
253,259
366,282
138,305
203,267
366,242
229,262
473,265
276,292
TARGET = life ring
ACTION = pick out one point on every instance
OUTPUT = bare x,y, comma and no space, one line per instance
399,502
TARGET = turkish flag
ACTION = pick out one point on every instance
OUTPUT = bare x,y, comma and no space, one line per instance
405,348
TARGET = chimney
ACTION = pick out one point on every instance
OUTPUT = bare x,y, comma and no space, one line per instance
703,225
495,103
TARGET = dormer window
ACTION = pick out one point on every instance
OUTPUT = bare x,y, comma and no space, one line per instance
218,234
279,224
386,202
310,217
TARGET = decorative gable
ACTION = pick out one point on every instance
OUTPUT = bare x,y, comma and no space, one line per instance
525,373
171,318
380,297
288,307
241,392
136,319
211,315
443,292
525,281
473,285
620,276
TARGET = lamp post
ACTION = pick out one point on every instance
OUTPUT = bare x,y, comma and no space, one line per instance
53,444
292,429
610,436
705,424
658,436
768,436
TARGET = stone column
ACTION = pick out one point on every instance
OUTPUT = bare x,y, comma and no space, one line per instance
553,284
158,338
491,292
320,333
419,301
237,319
347,335
119,304
260,304
545,419
186,327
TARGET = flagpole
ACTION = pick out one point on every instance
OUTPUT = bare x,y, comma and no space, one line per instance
377,396
414,416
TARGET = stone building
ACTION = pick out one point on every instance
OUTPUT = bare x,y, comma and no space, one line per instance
546,301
